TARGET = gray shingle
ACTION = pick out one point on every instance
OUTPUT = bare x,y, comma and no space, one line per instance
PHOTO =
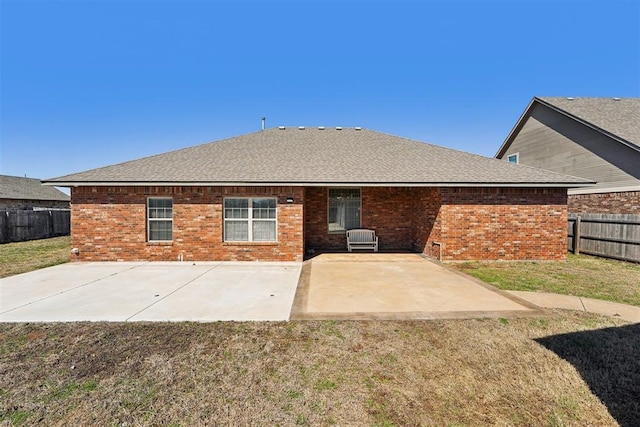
313,156
619,117
18,188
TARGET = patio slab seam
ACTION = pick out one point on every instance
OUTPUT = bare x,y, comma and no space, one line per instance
170,293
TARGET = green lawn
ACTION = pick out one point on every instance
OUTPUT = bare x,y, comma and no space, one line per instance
580,275
20,257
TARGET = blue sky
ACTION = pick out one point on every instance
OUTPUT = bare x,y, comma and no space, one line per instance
90,83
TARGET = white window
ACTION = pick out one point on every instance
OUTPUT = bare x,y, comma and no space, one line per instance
159,219
250,219
344,209
513,158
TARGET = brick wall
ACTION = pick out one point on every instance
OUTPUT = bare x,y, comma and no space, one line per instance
503,223
465,223
627,202
316,211
426,221
109,224
388,211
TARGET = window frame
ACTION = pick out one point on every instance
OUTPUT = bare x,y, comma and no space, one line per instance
249,220
150,220
329,231
517,158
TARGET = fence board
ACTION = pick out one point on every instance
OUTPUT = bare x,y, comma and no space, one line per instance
607,235
17,226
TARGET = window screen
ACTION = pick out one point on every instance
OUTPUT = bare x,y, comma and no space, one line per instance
344,209
160,219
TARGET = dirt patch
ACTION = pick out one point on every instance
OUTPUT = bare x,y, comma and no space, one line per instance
467,372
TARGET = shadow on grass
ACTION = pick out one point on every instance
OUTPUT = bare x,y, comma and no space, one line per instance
609,362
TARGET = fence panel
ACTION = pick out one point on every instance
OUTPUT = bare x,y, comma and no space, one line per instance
607,235
17,226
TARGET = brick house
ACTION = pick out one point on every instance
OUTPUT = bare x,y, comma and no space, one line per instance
593,138
275,194
18,193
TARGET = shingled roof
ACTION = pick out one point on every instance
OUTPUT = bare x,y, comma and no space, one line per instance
618,118
319,156
19,188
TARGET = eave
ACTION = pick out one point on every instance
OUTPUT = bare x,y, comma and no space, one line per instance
314,184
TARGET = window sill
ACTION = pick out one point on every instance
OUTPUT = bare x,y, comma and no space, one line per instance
160,243
249,243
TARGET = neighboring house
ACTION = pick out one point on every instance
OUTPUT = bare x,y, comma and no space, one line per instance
593,138
17,193
276,193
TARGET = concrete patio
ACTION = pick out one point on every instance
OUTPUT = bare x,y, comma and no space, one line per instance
151,291
396,286
329,286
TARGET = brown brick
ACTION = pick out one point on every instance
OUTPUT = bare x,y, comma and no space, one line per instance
109,223
626,202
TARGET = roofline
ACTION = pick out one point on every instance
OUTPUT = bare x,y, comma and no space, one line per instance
600,190
44,199
517,126
313,184
507,142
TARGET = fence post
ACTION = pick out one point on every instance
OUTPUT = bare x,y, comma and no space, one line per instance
576,236
6,230
51,225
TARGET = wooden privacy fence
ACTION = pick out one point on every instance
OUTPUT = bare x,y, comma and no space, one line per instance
17,226
606,235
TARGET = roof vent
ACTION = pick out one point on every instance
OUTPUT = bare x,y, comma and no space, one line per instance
300,127
281,127
570,98
616,99
358,128
321,127
338,127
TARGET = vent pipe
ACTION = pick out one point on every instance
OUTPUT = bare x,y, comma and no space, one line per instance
264,121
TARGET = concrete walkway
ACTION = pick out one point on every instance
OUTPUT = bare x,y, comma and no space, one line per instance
630,313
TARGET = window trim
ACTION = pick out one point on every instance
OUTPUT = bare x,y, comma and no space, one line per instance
150,220
249,221
516,155
329,231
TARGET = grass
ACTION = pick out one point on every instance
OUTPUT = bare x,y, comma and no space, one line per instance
580,275
568,369
21,257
